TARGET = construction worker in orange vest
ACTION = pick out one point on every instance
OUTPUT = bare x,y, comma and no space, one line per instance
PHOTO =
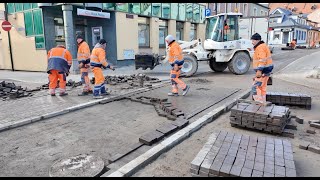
98,61
262,64
59,63
293,43
176,61
84,64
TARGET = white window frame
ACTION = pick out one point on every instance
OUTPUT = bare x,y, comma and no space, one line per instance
245,9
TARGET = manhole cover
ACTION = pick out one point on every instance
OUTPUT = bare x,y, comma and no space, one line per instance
82,165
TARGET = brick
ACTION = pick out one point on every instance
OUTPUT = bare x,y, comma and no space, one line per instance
298,120
248,164
313,121
258,166
269,168
314,148
291,172
151,137
266,174
167,128
256,173
279,170
310,131
180,123
225,169
304,145
288,133
245,172
289,164
315,125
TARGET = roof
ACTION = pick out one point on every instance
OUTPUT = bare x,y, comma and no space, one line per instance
262,5
300,7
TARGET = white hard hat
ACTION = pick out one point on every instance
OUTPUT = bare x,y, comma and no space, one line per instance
169,38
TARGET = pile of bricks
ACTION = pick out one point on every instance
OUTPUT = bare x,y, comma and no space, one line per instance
164,109
293,99
272,118
11,91
132,80
228,154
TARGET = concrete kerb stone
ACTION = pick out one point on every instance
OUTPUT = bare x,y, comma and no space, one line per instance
150,155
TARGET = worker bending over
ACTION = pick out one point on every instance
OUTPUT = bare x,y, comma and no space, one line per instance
84,64
262,64
293,43
98,61
176,61
59,63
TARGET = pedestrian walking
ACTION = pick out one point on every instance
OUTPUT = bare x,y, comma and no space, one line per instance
59,63
83,57
97,62
263,66
176,61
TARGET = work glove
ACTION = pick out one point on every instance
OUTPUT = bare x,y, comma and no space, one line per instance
176,67
112,68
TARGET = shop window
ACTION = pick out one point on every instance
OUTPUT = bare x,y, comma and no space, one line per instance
37,21
122,7
109,6
34,5
10,7
179,31
39,40
165,10
134,8
276,37
189,12
145,9
27,6
193,32
28,23
182,12
144,32
174,10
19,7
202,14
196,13
156,9
163,33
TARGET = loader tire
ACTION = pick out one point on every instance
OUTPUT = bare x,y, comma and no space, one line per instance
217,66
190,65
240,63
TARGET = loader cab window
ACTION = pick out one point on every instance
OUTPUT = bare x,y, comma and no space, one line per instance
220,29
231,33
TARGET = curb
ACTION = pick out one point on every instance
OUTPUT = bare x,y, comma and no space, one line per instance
146,158
22,122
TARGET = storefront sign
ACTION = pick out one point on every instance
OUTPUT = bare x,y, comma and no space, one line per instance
286,30
83,12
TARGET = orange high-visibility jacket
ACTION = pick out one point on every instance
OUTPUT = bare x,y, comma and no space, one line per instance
60,59
83,52
175,52
293,44
262,57
98,57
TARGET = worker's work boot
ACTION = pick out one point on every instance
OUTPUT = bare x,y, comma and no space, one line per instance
97,97
83,93
185,91
173,94
105,94
63,93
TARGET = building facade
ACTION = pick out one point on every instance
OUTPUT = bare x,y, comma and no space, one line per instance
247,9
129,28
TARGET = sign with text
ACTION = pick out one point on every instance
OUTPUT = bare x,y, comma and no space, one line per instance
84,12
2,15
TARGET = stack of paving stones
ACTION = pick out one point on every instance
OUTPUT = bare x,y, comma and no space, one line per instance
164,109
228,154
132,80
11,91
292,99
271,119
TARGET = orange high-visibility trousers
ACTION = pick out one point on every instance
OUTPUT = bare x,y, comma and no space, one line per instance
176,82
259,89
99,79
54,76
85,80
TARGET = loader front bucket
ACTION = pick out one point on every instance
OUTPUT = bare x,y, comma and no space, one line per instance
146,61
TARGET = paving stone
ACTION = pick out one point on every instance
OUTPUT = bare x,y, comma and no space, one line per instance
245,172
314,148
248,164
279,170
313,121
289,164
203,174
288,133
180,123
269,168
215,167
304,145
288,156
279,162
266,174
235,171
151,137
315,125
256,173
291,172
225,169
310,131
259,158
206,164
167,128
258,166
269,160
194,171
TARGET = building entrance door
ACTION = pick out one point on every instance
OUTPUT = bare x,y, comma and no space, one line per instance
285,38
